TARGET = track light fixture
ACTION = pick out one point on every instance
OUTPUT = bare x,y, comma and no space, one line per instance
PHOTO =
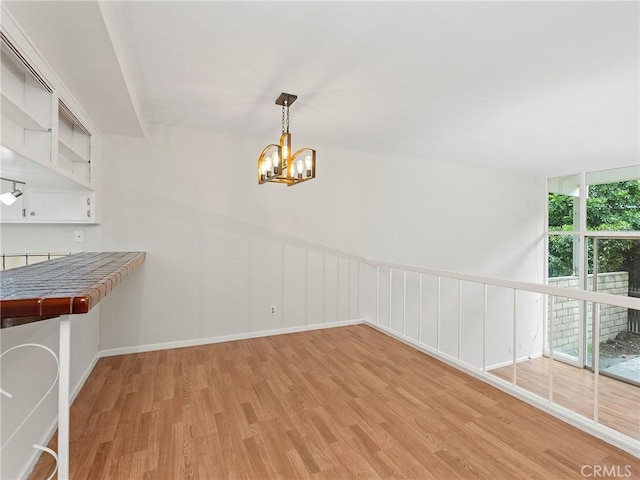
9,198
276,164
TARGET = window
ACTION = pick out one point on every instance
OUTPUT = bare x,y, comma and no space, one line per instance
594,244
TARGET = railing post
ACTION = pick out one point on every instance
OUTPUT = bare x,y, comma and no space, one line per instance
550,336
596,360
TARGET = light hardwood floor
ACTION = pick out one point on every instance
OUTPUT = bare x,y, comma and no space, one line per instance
619,402
329,404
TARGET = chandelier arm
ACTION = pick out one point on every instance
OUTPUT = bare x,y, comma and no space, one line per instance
295,155
262,155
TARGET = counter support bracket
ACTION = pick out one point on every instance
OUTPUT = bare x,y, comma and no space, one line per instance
64,403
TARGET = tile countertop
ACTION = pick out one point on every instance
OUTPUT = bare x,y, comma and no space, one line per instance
69,285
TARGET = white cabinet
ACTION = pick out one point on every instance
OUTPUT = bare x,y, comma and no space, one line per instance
63,207
26,109
44,144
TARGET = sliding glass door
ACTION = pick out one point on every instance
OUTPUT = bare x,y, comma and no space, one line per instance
615,265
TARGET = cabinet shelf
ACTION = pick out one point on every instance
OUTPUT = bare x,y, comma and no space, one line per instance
26,165
20,116
9,148
67,150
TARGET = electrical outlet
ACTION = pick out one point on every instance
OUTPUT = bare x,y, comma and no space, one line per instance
272,309
510,348
521,344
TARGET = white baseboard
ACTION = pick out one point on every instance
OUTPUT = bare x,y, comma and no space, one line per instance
224,338
518,360
83,379
600,431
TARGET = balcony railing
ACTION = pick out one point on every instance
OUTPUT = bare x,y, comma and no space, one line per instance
14,260
481,324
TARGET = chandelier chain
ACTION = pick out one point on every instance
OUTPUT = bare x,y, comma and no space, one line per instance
285,120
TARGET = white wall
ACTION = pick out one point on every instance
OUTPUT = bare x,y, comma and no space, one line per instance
222,249
458,218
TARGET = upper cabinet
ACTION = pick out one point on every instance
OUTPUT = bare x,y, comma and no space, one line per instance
47,143
27,119
74,145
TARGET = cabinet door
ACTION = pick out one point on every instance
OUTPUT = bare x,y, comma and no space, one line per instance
58,207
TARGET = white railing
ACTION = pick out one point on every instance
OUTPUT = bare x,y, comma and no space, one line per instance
478,324
14,260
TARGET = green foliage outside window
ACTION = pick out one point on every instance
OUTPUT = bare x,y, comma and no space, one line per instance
610,207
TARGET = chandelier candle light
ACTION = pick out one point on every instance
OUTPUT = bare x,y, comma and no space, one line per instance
276,164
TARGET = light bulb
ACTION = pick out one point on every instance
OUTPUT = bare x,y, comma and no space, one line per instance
269,165
263,170
276,163
299,168
285,152
307,164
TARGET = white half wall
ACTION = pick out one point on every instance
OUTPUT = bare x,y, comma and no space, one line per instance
27,372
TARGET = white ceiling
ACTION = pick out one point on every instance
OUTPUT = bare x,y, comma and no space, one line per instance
539,87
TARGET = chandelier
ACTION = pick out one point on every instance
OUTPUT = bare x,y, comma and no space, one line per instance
276,164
